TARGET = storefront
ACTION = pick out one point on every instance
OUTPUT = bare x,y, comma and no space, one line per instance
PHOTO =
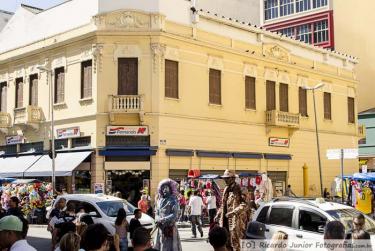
127,161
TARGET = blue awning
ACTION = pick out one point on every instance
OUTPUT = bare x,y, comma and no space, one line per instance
179,152
213,154
243,155
128,151
277,156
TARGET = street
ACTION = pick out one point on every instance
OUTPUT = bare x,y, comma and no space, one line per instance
40,238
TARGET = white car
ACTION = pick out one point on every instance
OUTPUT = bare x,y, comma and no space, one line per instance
306,219
103,209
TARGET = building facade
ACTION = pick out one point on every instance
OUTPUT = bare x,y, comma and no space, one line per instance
366,144
141,92
4,18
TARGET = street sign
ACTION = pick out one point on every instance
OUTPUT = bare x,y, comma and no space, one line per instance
348,153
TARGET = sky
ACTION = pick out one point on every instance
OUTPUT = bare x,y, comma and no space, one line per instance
12,5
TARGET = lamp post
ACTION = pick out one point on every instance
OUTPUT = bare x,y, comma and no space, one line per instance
317,134
53,152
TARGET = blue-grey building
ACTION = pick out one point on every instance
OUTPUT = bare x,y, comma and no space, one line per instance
366,144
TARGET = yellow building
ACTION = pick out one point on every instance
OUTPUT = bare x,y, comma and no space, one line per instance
148,91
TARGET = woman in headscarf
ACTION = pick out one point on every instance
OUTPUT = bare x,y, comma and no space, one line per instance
166,215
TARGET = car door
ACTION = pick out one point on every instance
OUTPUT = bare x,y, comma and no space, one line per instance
280,218
311,224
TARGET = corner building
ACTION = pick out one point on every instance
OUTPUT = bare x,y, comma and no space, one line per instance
148,91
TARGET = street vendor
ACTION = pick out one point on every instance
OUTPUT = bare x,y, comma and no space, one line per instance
232,213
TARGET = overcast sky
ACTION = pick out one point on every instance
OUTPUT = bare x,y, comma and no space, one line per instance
12,5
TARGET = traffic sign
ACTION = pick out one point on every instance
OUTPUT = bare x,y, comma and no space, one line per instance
348,153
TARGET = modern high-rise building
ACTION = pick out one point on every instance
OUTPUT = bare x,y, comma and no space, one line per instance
310,21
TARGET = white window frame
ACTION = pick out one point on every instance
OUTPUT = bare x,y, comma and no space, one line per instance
306,5
319,3
321,31
305,33
271,12
286,7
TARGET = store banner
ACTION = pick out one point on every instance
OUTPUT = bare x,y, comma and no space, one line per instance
280,142
65,133
127,131
14,140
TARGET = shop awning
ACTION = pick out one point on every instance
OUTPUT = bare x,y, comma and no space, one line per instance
128,151
277,156
15,166
213,154
65,163
243,155
179,152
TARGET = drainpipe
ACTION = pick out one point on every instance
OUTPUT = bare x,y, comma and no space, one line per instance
305,180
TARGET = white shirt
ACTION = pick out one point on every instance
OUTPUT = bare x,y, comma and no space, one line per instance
211,202
196,204
21,245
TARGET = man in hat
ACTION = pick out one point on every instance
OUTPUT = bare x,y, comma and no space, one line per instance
12,236
232,213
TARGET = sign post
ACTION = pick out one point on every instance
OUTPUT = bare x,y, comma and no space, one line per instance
341,154
342,176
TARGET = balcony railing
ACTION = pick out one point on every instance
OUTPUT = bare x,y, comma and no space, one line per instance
361,131
282,119
28,115
5,120
126,104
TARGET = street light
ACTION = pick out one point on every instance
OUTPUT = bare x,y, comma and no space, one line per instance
317,134
53,152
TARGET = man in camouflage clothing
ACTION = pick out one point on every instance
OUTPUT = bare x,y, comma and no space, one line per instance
232,213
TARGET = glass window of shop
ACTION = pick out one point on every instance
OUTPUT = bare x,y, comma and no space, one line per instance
35,147
8,149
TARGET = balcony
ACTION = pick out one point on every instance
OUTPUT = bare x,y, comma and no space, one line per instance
361,131
28,116
282,119
125,104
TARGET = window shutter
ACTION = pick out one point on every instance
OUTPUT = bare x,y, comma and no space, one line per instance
327,106
250,99
59,85
128,76
19,92
171,79
33,92
283,92
215,87
270,95
351,117
86,79
3,97
302,102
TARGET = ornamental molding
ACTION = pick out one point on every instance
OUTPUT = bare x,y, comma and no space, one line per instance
172,53
126,51
58,61
270,74
158,56
277,52
302,81
215,63
283,77
130,20
97,54
250,70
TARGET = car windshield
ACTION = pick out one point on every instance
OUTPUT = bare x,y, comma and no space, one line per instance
110,208
346,217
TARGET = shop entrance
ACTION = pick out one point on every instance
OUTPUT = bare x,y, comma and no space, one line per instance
128,183
278,182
